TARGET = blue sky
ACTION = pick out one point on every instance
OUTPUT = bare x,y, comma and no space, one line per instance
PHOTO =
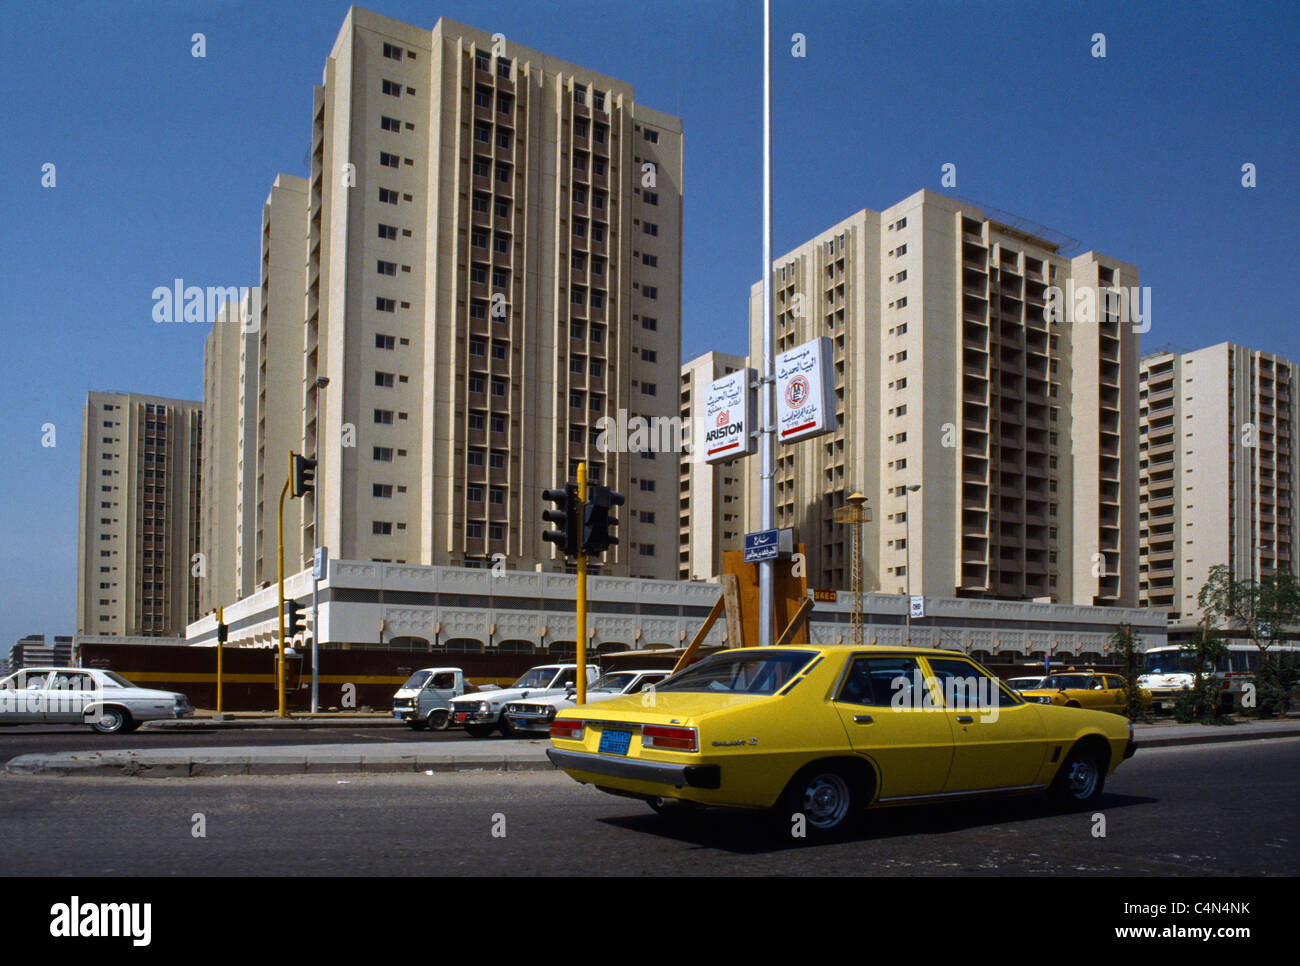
163,162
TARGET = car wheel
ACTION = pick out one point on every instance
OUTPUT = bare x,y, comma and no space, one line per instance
826,797
415,724
438,720
479,730
1081,778
112,721
507,730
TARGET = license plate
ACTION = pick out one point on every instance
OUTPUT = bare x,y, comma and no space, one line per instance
397,714
615,742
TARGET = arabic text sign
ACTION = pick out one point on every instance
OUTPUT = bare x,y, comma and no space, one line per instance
805,391
763,545
724,427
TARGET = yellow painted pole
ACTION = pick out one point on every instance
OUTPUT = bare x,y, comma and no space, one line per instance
582,589
279,568
219,623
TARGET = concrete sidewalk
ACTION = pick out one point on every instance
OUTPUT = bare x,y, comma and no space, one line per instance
490,754
205,721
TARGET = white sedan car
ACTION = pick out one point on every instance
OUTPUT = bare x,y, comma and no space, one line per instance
536,714
105,700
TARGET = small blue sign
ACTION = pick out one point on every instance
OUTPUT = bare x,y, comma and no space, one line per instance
763,545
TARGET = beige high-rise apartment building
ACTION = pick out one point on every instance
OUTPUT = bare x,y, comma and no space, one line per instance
1218,470
278,405
225,503
493,264
139,515
711,498
1020,433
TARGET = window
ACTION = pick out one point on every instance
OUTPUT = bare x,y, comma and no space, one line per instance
505,103
384,379
597,334
651,136
474,457
498,350
393,53
651,260
483,133
503,139
578,365
597,403
496,531
478,238
389,160
390,123
388,196
649,227
501,243
474,530
478,309
503,69
381,527
647,486
650,197
386,268
650,291
497,460
649,388
596,368
648,322
478,274
497,496
474,494
498,423
502,209
647,549
477,419
384,417
498,386
382,491
392,88
477,384
382,454
481,166
478,347
482,61
575,400
388,232
503,173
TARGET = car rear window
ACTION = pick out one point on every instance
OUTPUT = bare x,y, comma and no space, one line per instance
750,672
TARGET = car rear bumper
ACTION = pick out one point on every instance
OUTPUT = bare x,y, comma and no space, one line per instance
659,772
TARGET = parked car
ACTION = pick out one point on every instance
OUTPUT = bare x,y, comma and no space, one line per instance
480,715
103,699
1083,689
536,714
822,732
1025,684
424,700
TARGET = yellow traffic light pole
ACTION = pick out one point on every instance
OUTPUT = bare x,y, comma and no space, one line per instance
279,667
582,589
220,614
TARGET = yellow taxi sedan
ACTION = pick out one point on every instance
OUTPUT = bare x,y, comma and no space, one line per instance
1083,689
823,732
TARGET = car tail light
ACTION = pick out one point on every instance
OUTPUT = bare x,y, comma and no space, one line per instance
567,729
669,739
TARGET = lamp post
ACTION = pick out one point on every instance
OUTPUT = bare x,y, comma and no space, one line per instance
907,539
854,514
321,383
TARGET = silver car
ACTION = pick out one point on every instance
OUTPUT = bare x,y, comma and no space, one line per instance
105,700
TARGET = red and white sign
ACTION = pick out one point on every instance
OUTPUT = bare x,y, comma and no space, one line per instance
726,420
805,391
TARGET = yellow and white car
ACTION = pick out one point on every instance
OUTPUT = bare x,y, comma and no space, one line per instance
1083,689
827,731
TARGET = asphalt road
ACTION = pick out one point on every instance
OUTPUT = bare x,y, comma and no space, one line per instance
1227,809
29,740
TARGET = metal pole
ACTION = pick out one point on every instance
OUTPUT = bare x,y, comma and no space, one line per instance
220,621
767,414
279,570
581,677
907,539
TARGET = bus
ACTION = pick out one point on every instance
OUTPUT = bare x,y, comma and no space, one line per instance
1170,668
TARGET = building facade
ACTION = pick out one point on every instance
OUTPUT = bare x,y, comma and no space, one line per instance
1016,425
1218,471
711,497
493,264
139,517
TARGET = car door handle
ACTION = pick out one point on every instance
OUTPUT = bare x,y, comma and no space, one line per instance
965,719
862,719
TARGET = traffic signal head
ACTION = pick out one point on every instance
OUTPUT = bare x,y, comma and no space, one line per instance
565,514
304,475
597,521
293,619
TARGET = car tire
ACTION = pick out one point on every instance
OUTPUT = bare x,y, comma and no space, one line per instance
112,721
1080,779
479,730
506,728
827,796
415,724
438,720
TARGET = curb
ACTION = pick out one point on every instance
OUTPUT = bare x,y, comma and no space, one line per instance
1225,733
207,724
211,766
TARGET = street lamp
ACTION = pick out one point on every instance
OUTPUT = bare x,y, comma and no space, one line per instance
907,540
321,383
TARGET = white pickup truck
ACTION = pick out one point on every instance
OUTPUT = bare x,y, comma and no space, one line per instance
481,714
536,714
105,700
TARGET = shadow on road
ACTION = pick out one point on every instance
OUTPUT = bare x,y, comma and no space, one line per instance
756,833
